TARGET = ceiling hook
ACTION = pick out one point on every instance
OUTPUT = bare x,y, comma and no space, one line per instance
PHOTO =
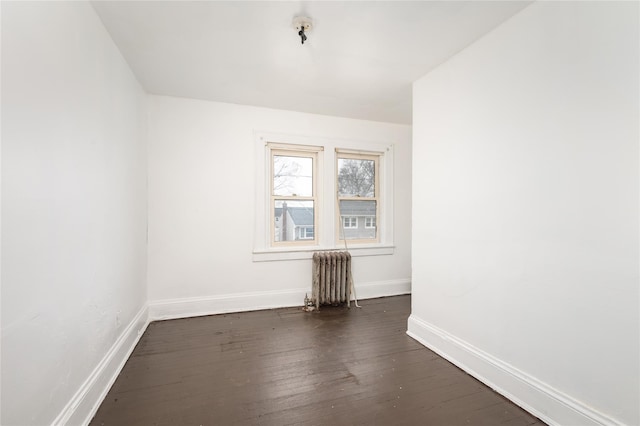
302,36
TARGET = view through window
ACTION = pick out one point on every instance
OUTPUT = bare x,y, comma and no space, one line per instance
357,181
293,196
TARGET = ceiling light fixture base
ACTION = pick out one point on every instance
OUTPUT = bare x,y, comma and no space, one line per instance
302,24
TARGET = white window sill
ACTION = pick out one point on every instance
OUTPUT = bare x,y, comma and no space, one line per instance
307,252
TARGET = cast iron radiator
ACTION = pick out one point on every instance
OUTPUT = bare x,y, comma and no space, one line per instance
331,278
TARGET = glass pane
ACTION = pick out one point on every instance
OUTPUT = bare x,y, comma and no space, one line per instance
293,220
358,220
356,178
292,176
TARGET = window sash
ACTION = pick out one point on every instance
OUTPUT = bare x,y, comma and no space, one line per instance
301,152
375,157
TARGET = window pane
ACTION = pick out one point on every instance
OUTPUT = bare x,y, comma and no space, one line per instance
356,178
358,220
293,220
292,176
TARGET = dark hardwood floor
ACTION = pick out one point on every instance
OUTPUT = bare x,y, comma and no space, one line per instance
338,366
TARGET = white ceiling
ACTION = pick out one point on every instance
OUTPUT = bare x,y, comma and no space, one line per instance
359,61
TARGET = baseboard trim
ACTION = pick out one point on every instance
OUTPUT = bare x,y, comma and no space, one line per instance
225,303
84,404
543,401
253,301
374,289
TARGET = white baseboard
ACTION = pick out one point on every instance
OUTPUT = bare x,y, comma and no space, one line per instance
84,404
548,404
220,304
253,301
371,290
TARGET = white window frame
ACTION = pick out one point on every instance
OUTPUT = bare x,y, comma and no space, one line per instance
370,222
349,226
326,204
306,231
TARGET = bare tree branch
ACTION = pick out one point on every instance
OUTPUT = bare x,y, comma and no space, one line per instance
356,178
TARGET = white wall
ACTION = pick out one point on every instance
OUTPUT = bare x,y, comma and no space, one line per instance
202,190
73,205
525,210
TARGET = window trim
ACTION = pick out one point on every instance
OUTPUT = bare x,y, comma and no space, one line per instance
263,251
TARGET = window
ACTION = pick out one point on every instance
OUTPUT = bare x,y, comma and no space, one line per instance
305,233
357,182
293,196
314,193
349,222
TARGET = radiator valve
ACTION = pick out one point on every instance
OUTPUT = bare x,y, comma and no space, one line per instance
308,304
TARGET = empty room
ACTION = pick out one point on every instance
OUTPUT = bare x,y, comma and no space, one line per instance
320,213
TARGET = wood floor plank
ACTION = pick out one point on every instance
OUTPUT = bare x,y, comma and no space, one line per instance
338,366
